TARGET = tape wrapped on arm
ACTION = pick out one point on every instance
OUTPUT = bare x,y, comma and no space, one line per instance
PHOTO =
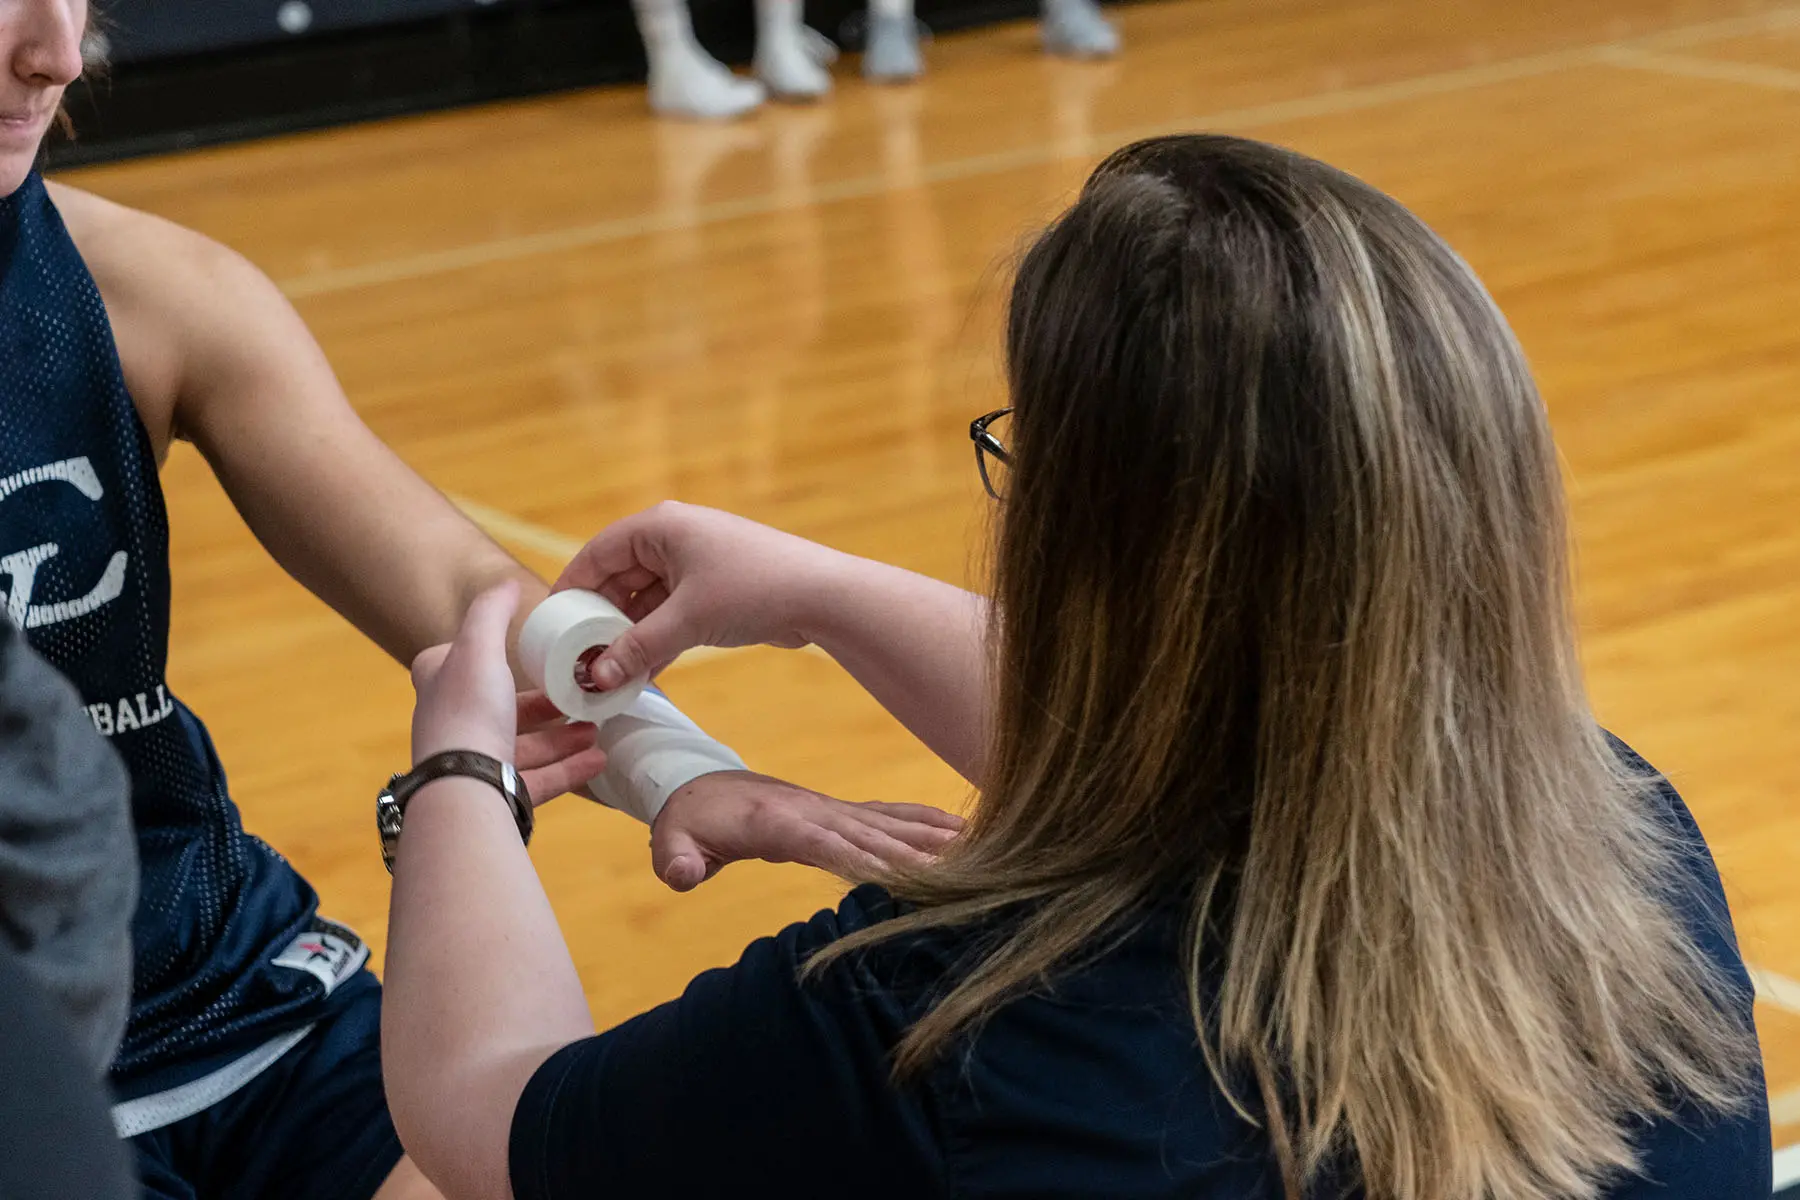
652,750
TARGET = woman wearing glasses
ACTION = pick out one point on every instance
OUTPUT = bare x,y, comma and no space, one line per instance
1301,867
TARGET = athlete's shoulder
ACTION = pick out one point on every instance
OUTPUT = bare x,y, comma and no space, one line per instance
145,259
183,306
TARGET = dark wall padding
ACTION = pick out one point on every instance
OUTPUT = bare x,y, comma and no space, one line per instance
149,30
192,72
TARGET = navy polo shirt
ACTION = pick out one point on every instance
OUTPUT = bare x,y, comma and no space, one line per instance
756,1083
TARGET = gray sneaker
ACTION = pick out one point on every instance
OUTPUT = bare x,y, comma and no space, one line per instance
1076,29
891,54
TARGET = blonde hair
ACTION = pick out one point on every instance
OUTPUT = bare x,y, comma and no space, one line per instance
1282,626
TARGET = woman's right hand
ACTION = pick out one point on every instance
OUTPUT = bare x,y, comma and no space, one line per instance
691,576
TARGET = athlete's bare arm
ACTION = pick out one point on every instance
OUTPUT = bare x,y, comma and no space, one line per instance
214,355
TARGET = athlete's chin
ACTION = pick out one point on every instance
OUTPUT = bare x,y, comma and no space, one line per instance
15,167
21,138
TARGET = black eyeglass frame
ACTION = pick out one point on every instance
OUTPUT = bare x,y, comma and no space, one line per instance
985,444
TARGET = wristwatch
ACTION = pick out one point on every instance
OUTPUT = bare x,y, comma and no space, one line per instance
390,805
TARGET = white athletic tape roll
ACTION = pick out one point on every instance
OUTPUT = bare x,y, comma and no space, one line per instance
557,635
651,751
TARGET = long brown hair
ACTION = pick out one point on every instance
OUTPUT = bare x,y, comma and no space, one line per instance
1282,627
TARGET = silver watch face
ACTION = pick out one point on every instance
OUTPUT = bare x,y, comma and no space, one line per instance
390,808
387,825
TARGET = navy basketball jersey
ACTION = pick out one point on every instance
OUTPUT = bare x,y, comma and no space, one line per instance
84,565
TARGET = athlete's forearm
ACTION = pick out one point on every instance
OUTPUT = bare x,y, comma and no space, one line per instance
357,527
401,565
480,989
333,504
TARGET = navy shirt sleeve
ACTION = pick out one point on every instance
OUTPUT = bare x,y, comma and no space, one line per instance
1700,1154
751,1083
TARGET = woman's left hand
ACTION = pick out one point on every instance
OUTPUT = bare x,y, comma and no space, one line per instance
466,701
729,816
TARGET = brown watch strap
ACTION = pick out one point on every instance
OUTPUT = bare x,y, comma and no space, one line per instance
473,765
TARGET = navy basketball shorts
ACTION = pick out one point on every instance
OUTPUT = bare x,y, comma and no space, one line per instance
312,1126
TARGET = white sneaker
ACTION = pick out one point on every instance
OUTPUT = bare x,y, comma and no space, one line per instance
698,86
792,63
891,54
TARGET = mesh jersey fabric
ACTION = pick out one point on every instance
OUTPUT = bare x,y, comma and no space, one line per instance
84,564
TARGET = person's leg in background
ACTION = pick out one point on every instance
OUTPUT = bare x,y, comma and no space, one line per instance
1078,29
1071,28
790,57
891,54
686,81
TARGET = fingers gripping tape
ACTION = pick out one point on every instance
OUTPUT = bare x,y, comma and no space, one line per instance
652,749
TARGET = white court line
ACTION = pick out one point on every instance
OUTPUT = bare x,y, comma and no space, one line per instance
1690,67
1776,990
505,527
1774,20
1787,1167
1781,992
1784,1107
1332,103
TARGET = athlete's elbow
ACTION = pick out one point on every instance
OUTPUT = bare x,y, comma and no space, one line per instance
454,1119
430,1113
459,1168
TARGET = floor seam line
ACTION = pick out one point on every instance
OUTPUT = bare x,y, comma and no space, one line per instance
1335,102
1693,66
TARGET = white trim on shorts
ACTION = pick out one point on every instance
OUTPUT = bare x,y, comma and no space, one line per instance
330,953
196,1096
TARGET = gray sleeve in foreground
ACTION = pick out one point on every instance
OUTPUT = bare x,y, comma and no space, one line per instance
68,855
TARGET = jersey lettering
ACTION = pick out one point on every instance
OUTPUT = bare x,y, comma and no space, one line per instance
21,566
132,712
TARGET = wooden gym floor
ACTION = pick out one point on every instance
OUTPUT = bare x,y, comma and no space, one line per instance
561,311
